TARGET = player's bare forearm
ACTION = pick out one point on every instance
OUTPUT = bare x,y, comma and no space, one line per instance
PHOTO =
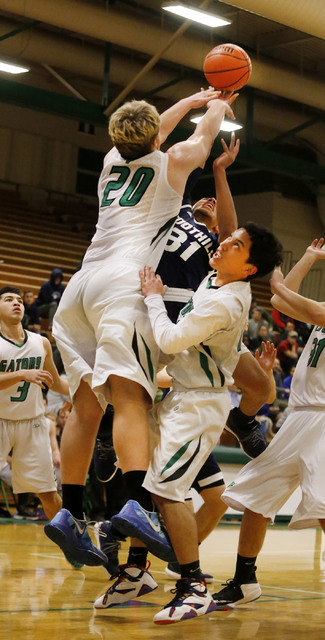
37,376
226,212
298,307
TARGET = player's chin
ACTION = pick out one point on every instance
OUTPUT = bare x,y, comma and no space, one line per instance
214,261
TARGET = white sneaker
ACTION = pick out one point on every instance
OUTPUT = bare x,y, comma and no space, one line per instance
192,599
133,582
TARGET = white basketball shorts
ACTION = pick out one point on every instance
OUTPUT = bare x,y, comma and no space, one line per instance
295,456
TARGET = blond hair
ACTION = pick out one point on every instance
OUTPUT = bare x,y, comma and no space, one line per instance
133,128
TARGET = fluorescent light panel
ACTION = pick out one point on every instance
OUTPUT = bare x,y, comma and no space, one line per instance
12,68
226,125
208,19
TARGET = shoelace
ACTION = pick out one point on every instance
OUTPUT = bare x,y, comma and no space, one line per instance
108,545
182,590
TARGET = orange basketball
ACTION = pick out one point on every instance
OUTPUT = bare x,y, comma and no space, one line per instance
227,67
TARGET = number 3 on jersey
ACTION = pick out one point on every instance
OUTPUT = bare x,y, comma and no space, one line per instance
133,191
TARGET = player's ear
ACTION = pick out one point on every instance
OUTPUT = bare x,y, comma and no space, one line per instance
250,269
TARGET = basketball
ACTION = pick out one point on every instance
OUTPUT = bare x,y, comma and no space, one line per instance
227,67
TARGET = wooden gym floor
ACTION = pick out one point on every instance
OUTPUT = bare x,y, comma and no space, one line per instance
43,598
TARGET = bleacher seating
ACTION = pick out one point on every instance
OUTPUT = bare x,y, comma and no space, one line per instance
33,242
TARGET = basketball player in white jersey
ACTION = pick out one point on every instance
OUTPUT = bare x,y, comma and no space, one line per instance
26,365
204,349
296,455
102,327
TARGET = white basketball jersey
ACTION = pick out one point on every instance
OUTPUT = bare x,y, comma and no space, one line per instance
213,321
308,384
23,400
137,209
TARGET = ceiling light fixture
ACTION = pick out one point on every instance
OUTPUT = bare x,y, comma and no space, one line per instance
12,68
226,125
208,19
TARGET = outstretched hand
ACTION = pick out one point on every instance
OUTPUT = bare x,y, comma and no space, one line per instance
317,249
267,357
201,98
229,153
150,282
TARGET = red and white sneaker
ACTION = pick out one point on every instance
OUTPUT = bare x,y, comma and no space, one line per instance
192,599
133,582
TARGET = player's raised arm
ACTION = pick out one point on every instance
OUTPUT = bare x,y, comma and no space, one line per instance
287,300
193,152
226,212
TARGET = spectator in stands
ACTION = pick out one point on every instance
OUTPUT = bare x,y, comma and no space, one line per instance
255,322
30,320
265,314
279,320
50,295
288,351
263,336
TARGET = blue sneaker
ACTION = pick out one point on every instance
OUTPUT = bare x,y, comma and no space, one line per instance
110,545
136,522
72,537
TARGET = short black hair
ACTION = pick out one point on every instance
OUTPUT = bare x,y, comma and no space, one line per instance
265,253
10,290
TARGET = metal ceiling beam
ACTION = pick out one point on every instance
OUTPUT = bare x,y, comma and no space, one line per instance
15,32
152,62
64,82
292,132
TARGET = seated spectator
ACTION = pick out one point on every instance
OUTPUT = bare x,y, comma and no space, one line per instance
255,322
265,314
30,320
263,336
279,320
50,295
288,351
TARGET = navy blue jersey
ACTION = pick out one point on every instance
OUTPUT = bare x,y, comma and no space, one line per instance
185,261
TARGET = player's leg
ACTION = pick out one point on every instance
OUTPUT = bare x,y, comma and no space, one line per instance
51,503
211,511
131,442
68,528
244,586
210,485
77,444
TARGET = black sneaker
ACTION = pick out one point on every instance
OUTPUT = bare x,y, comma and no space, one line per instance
252,440
104,461
234,593
110,545
173,571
